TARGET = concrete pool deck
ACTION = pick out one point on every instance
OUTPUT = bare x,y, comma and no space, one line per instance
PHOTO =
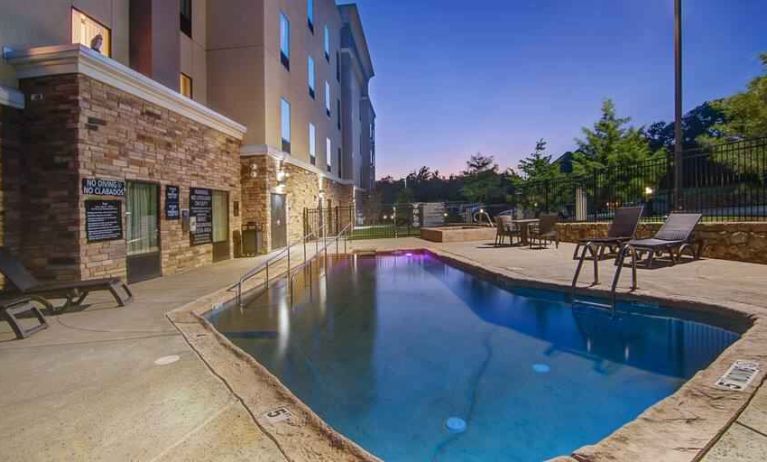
88,387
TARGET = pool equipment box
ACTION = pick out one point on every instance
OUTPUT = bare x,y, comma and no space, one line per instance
103,220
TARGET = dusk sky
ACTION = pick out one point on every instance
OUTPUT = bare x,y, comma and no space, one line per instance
455,77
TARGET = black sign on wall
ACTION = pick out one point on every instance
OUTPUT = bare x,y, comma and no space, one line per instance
103,187
172,208
103,220
201,209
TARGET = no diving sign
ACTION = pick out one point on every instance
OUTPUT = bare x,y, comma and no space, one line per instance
103,187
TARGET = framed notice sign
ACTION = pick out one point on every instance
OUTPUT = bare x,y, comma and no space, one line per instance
201,209
103,220
172,208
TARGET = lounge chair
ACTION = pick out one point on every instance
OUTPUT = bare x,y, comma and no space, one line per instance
505,228
622,229
11,310
674,237
74,292
545,231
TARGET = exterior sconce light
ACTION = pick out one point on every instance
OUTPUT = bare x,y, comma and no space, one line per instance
648,191
253,170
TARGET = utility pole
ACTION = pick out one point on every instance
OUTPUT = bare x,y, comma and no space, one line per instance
678,134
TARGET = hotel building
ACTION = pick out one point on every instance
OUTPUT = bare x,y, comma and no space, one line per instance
138,137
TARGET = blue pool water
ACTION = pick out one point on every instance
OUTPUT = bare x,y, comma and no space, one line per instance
417,360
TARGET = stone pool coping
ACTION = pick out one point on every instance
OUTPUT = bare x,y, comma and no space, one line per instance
681,427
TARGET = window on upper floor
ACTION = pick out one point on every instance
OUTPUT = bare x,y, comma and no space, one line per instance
310,14
86,31
186,17
312,144
185,85
340,163
285,124
328,154
327,43
311,76
285,40
327,98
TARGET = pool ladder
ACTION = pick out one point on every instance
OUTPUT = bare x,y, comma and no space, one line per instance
596,251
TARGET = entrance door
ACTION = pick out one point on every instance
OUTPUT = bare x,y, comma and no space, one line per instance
220,225
143,233
279,222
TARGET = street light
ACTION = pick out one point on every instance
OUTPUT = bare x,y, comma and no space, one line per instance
678,135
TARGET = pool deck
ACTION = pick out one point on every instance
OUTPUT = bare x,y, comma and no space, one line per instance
88,388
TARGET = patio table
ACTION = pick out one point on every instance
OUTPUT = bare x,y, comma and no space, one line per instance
524,228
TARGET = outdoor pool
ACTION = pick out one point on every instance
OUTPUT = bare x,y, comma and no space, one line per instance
414,359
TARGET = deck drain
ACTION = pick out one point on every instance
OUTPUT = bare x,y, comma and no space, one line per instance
541,368
455,425
739,375
165,360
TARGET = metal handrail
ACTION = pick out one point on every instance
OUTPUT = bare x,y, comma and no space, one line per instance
264,267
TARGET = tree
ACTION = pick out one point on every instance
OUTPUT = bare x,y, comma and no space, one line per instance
482,182
701,121
617,152
538,165
745,112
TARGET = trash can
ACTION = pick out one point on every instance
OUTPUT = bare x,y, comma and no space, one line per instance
251,239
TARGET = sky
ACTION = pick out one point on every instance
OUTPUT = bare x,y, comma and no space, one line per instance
454,77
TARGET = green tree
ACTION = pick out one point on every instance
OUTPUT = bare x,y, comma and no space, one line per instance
481,180
745,112
619,155
538,165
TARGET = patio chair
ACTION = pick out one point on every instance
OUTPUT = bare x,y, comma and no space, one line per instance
674,237
74,292
11,310
505,228
545,231
622,229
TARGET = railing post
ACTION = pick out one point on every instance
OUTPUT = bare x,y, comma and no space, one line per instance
267,274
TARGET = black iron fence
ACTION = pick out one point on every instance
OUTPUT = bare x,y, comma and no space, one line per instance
726,182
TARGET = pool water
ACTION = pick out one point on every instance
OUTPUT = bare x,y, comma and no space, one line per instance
417,360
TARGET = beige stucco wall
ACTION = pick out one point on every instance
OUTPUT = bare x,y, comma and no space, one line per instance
26,23
193,60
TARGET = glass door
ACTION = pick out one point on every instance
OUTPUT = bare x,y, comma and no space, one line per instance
220,225
143,231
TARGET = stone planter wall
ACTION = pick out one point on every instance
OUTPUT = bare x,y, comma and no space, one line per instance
728,241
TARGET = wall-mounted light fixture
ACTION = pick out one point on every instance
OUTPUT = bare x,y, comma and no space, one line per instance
253,170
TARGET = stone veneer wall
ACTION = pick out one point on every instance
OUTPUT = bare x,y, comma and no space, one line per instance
728,241
10,184
302,188
85,128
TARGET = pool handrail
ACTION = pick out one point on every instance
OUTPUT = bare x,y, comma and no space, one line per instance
285,254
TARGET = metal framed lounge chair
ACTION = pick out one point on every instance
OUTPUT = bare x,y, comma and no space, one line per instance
545,231
12,309
674,237
622,229
74,292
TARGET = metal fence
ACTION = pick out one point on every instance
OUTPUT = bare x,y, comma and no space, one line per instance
369,222
726,182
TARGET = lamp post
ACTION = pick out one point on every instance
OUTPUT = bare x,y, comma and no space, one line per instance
678,135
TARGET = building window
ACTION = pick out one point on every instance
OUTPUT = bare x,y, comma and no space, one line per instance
86,30
186,17
285,41
311,76
285,124
327,43
185,85
338,67
338,113
310,14
328,154
312,144
340,163
327,98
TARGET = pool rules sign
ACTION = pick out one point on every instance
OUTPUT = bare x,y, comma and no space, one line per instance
201,210
103,220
